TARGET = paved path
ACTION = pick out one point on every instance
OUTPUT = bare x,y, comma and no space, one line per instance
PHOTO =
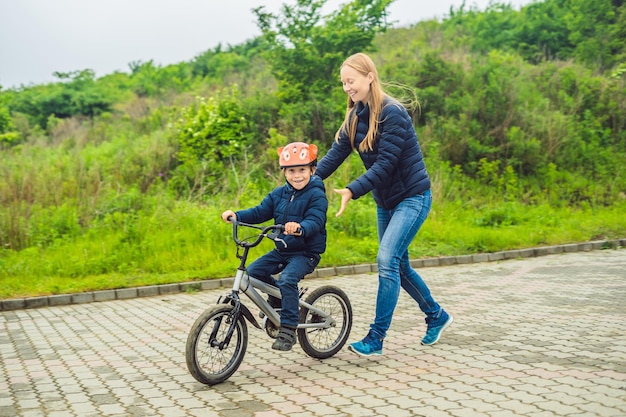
532,337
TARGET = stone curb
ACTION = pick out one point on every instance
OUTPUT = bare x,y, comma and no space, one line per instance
165,289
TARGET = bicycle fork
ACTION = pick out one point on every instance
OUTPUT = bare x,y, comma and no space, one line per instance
233,316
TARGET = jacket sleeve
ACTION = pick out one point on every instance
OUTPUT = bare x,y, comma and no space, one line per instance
259,214
314,220
334,158
390,145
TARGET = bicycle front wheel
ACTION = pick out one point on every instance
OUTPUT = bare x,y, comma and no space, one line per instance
211,359
322,343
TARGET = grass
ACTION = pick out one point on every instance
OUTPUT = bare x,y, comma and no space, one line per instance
189,243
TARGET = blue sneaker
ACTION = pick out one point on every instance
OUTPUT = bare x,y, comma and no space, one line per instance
370,345
435,327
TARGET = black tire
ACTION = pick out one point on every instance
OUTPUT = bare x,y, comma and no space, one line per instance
324,343
206,361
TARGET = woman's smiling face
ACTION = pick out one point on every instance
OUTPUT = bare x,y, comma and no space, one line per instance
355,84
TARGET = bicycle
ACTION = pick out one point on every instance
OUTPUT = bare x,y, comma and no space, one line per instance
218,339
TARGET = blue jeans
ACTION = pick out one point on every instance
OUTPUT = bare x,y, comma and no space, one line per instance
396,229
294,266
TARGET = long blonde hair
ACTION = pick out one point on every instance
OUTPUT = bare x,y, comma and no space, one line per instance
363,64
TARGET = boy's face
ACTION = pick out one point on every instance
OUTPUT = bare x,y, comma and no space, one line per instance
299,177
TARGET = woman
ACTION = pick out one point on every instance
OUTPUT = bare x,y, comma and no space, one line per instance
380,129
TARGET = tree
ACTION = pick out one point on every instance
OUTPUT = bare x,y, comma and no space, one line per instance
305,48
212,131
78,93
151,80
596,28
8,135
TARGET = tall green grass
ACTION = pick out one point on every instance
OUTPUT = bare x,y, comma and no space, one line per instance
187,241
90,207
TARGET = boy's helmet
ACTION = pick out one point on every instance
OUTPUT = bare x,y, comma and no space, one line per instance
297,154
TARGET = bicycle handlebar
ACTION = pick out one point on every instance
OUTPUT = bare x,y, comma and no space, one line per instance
264,232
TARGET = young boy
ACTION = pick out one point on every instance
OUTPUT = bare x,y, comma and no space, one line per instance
300,205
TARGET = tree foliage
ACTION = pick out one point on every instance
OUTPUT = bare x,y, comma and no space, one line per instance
150,80
212,130
523,106
211,134
305,48
591,32
8,135
78,94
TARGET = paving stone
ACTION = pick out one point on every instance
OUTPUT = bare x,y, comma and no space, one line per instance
464,259
480,257
14,304
430,262
149,291
35,302
210,284
496,256
526,253
59,300
514,349
344,270
169,289
447,260
125,293
227,282
326,272
571,248
512,254
190,286
548,250
86,297
417,263
106,295
362,269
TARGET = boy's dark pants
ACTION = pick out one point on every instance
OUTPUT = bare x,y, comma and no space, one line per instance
294,267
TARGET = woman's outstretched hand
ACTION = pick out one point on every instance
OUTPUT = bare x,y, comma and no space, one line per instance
346,196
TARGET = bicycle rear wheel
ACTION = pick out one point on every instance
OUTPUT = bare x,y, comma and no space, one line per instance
209,359
323,343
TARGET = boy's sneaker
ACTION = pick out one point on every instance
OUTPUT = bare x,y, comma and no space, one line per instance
370,345
285,340
436,327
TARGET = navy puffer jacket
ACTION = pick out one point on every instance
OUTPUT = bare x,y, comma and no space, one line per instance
286,204
395,168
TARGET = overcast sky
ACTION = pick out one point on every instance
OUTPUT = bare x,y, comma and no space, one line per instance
40,37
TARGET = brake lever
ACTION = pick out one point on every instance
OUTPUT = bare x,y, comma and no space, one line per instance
282,241
274,236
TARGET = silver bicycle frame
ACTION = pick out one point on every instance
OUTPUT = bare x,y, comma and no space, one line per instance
249,286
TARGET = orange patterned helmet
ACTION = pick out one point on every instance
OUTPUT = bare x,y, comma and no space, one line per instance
297,154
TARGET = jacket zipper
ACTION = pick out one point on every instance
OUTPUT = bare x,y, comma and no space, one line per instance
293,195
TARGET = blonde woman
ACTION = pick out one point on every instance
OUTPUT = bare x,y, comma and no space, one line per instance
380,129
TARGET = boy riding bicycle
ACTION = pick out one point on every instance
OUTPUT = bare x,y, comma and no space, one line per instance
300,205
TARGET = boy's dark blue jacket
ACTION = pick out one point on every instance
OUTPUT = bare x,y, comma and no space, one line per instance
286,204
